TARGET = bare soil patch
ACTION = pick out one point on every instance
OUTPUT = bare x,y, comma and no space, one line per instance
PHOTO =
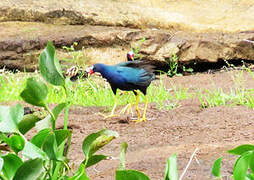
181,130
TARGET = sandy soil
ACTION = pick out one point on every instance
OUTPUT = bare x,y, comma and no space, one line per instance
209,15
212,130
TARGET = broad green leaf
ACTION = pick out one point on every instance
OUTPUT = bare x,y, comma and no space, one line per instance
30,170
50,146
95,141
61,135
80,174
50,67
95,159
130,175
17,143
124,147
171,168
28,122
31,151
56,111
44,123
216,167
251,165
10,117
250,177
40,137
4,138
35,92
241,149
1,164
241,166
11,163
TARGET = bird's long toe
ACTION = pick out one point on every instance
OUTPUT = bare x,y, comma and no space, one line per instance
105,116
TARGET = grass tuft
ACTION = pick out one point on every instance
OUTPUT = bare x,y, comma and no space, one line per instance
96,92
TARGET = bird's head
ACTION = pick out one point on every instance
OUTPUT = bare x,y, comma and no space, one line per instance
130,56
95,68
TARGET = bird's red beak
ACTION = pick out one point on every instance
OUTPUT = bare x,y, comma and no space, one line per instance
132,57
91,71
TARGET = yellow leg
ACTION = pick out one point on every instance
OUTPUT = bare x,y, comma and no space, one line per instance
144,113
112,114
114,107
127,108
137,109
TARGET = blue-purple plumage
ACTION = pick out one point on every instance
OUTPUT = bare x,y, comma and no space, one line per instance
128,76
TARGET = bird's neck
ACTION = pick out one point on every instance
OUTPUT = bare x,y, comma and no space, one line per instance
107,71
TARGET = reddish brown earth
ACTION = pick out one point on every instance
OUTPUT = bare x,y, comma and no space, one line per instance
212,130
181,130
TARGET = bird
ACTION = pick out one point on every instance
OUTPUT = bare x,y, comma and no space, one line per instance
132,76
130,56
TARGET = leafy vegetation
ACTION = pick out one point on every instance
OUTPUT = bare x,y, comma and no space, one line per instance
95,92
244,165
137,48
45,156
46,153
174,67
77,58
89,92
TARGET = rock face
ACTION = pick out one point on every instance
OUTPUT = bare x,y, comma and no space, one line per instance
22,42
203,47
203,35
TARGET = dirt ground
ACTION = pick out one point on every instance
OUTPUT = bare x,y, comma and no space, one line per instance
212,130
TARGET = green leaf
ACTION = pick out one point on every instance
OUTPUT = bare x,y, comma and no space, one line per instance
31,151
95,159
241,166
80,174
124,147
56,111
130,175
35,92
61,135
10,117
17,143
30,170
216,167
251,165
1,164
241,149
171,168
44,123
50,146
27,123
50,67
95,141
40,137
250,177
11,163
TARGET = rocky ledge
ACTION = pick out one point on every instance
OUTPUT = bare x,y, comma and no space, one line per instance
21,42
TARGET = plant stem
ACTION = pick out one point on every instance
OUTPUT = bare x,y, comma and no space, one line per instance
3,177
55,174
66,115
181,177
61,151
53,119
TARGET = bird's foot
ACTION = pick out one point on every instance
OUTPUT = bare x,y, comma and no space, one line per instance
143,119
108,116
